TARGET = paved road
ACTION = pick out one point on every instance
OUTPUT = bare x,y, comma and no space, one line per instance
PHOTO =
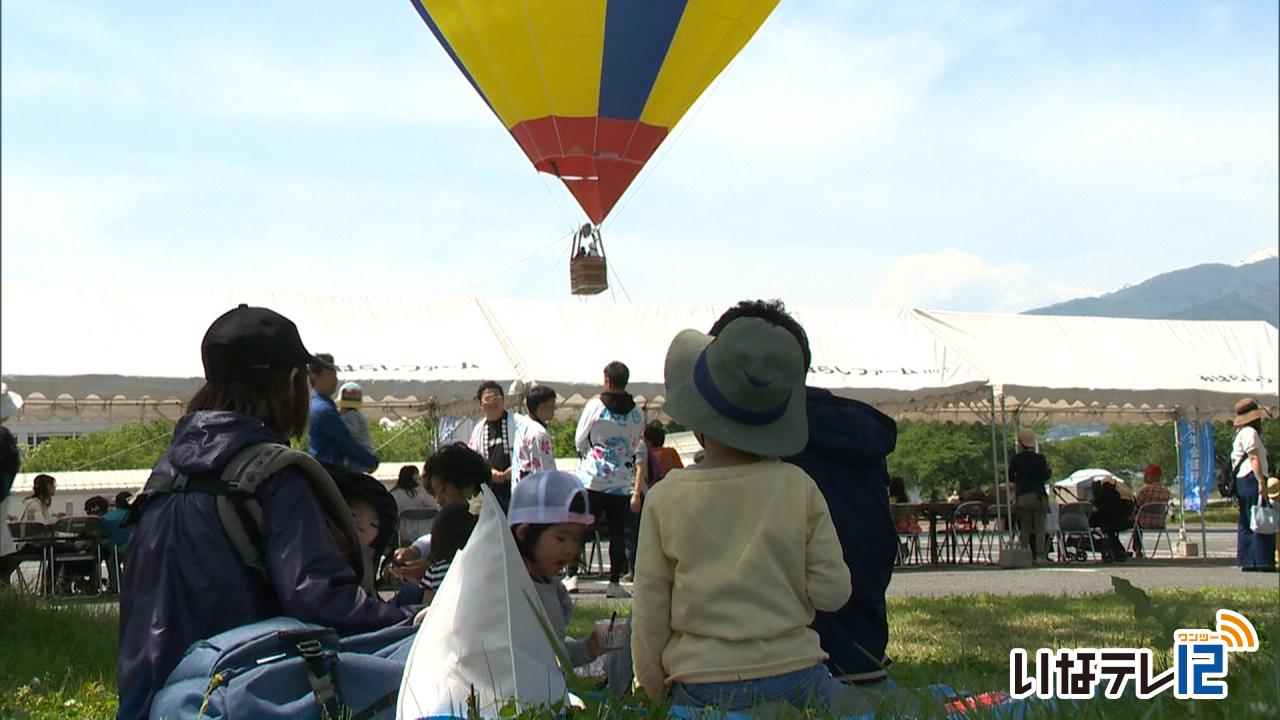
1075,578
1052,579
1060,579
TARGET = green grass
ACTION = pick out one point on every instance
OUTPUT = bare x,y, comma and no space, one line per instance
1213,514
59,662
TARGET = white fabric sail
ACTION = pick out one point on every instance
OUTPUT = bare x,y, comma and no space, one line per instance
483,634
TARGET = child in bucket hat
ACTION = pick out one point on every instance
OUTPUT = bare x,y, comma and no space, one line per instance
737,553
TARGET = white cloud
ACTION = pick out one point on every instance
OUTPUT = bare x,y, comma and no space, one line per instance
955,279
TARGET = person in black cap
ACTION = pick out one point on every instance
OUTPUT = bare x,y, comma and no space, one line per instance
185,579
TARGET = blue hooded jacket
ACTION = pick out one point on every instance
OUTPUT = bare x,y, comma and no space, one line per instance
848,444
184,581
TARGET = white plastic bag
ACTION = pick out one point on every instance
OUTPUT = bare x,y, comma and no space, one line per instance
481,634
1263,518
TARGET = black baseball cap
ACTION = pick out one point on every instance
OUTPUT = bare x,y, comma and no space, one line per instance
250,344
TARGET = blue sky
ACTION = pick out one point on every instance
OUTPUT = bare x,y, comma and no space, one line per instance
962,155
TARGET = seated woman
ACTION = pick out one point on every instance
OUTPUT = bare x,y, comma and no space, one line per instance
905,523
36,506
1111,514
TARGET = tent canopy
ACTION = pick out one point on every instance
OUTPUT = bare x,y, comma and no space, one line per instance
135,352
1121,368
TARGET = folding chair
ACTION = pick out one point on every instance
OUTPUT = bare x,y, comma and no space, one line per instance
966,528
34,541
593,552
89,532
1073,524
908,541
413,524
1156,509
994,520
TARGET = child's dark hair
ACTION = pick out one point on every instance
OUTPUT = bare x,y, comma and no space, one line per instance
655,435
457,465
898,490
772,311
537,395
530,540
450,531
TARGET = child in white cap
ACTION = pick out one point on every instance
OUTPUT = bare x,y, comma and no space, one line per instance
737,553
350,400
548,515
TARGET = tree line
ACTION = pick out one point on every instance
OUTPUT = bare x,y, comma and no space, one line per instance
933,457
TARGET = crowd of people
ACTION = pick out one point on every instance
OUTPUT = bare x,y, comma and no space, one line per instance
228,474
1115,508
758,573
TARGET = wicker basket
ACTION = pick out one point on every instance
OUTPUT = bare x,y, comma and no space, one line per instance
588,275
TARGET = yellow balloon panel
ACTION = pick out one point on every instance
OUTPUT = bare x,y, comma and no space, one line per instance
710,34
529,59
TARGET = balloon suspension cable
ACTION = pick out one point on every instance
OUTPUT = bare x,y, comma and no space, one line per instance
618,281
517,263
665,149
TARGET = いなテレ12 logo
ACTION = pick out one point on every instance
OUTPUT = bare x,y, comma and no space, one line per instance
1200,664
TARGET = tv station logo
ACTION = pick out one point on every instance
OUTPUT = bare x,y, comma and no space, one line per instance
1199,671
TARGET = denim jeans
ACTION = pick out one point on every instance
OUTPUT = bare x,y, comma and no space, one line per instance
811,687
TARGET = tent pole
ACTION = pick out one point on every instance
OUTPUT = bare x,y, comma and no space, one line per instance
1205,484
1004,451
1182,487
995,461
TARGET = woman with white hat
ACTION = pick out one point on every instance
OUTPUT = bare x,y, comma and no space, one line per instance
1254,552
1029,471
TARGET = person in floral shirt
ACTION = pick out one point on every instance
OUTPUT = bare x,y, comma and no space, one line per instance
609,439
533,438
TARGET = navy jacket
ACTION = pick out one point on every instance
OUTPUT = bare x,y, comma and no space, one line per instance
330,441
184,581
848,444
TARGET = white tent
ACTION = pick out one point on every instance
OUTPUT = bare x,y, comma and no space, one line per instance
881,356
1112,369
134,352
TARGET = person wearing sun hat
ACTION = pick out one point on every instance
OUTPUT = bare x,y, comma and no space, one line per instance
1029,471
1254,552
737,553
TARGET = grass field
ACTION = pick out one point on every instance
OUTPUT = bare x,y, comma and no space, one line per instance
60,662
1213,514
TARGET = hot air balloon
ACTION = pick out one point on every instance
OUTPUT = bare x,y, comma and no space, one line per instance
590,88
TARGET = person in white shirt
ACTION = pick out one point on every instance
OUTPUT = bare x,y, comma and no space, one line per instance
1254,552
611,443
410,495
36,507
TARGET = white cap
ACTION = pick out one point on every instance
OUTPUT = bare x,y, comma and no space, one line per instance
10,402
544,498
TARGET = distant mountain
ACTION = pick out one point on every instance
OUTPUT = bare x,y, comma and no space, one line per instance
1205,292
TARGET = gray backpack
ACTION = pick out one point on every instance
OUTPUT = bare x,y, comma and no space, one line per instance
241,513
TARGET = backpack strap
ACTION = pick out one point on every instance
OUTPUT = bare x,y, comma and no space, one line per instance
320,677
242,514
236,490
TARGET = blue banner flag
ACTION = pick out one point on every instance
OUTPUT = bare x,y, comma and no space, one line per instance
1195,442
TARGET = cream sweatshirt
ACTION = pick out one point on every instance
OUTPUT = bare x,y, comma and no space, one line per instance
731,564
